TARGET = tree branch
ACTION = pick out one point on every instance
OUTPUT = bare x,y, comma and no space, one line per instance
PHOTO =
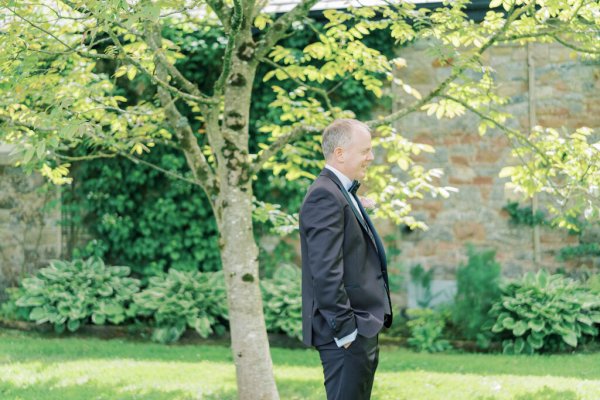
324,93
279,144
513,15
157,80
156,167
510,133
277,31
574,47
175,73
198,163
222,12
236,24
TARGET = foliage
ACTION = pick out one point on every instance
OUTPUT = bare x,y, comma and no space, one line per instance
576,225
282,301
422,281
524,215
544,312
70,294
165,223
395,267
142,217
478,288
181,299
399,328
426,328
9,309
593,283
567,166
581,250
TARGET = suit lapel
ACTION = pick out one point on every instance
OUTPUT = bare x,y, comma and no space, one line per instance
361,221
378,244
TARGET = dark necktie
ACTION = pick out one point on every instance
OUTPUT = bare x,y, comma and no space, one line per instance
354,187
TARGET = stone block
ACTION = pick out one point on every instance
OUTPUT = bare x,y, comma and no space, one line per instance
469,230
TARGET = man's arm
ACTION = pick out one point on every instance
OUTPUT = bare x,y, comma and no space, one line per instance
323,224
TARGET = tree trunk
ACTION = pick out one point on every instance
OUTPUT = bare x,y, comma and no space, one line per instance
249,342
239,252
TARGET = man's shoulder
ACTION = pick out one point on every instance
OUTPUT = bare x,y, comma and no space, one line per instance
322,186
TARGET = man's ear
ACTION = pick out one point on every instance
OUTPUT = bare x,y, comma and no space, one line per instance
338,154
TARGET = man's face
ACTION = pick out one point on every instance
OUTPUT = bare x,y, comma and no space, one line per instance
358,154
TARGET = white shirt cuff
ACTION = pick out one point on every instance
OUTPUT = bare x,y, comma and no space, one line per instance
346,339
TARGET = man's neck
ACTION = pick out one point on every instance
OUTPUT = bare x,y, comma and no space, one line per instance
346,181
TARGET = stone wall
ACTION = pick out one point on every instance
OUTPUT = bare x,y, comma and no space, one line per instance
566,92
29,214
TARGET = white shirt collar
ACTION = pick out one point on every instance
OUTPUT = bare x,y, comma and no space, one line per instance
346,182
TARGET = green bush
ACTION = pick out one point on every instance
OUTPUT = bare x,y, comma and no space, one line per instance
69,294
282,301
478,288
593,283
9,310
545,312
426,328
181,299
142,218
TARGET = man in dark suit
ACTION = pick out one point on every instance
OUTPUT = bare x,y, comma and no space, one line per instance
345,295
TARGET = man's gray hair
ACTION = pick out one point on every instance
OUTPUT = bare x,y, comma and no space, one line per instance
339,134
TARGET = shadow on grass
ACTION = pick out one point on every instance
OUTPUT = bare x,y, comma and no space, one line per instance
547,393
55,390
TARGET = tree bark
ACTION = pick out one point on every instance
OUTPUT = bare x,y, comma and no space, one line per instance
239,252
249,342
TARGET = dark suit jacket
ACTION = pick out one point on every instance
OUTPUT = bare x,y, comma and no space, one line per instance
344,269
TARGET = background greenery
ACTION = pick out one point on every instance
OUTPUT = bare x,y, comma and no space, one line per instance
140,217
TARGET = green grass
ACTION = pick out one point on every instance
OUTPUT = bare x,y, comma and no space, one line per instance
37,367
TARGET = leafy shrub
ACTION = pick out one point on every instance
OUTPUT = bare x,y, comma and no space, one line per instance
422,280
282,301
478,288
593,283
9,309
544,312
426,328
69,294
181,299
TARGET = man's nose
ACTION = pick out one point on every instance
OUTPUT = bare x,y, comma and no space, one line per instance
370,156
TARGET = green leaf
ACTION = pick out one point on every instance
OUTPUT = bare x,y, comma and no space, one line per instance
520,328
570,338
38,314
536,325
535,342
519,345
73,325
122,70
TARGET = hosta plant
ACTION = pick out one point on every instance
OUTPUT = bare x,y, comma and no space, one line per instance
544,312
426,328
282,301
181,299
71,293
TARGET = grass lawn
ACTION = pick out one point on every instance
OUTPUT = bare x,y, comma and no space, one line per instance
36,367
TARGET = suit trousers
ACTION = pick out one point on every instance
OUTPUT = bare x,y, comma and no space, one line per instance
349,373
